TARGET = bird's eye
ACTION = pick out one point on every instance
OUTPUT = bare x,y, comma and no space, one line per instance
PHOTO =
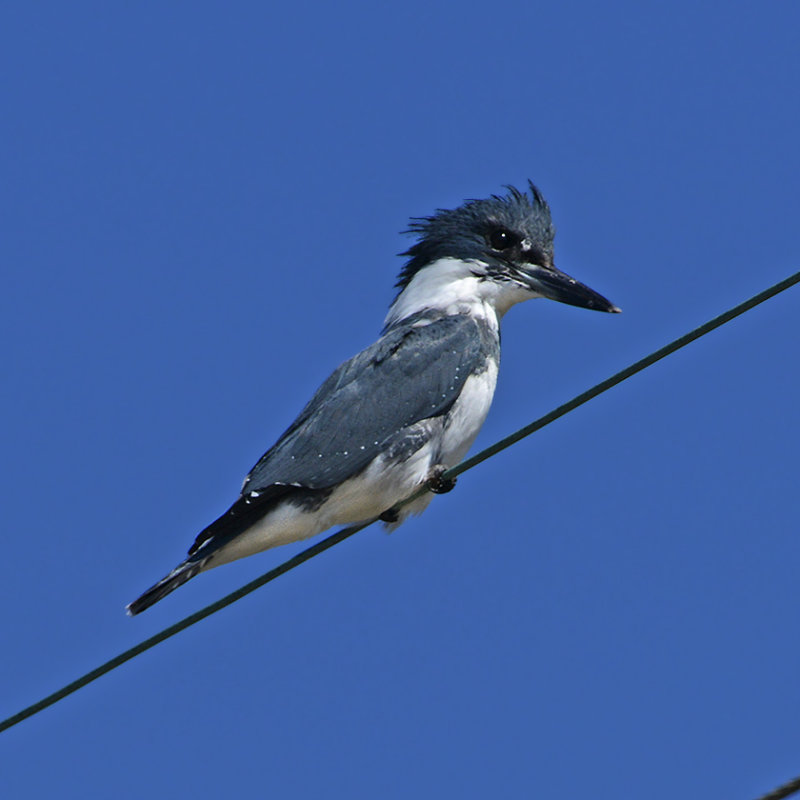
501,239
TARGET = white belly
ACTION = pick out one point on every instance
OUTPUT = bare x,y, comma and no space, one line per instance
468,414
359,499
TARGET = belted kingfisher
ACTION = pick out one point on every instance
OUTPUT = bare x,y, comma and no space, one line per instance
394,417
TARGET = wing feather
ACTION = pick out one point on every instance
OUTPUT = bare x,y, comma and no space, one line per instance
412,373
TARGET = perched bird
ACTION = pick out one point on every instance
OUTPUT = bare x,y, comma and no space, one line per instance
394,417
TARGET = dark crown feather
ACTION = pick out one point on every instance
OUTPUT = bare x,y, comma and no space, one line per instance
460,232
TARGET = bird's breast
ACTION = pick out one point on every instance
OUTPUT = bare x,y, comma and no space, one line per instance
468,413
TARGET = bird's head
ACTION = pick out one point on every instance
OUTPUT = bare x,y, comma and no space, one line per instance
498,250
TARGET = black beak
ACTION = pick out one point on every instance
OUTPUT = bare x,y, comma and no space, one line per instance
556,285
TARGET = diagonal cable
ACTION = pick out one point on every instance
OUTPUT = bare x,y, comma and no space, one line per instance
788,789
345,533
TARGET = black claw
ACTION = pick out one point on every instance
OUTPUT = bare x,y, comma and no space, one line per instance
390,515
437,484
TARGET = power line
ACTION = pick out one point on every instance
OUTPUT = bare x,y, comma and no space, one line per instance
181,625
790,788
345,533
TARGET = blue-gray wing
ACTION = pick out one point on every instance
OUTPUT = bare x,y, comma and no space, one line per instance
410,374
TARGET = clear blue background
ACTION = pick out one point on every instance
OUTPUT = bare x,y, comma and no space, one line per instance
200,210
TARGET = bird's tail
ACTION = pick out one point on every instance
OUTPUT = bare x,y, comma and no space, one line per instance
169,583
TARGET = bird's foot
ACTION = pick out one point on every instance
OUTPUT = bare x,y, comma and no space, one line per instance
438,484
390,515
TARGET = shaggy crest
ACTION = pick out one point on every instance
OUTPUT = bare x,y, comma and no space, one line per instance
462,232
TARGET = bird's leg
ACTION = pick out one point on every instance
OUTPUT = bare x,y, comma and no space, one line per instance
434,482
438,484
390,515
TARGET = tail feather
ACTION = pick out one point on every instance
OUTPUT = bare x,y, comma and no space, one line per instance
169,583
239,517
244,513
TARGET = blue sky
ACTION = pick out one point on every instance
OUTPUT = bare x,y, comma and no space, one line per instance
201,209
